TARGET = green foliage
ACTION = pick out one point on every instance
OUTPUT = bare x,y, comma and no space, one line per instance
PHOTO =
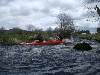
1,32
8,33
11,39
47,36
4,39
88,36
65,34
11,36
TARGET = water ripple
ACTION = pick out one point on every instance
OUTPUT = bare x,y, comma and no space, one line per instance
48,60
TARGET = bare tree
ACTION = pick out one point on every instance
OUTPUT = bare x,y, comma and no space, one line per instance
65,24
30,27
56,29
2,28
98,10
49,30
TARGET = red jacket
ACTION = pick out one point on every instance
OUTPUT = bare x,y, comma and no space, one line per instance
59,37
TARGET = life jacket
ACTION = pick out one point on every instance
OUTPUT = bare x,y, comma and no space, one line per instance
59,37
40,38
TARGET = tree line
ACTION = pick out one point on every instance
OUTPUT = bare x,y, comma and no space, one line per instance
65,24
49,30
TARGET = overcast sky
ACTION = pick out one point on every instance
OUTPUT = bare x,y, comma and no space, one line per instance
43,13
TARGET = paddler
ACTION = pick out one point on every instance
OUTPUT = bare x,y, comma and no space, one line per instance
58,37
39,38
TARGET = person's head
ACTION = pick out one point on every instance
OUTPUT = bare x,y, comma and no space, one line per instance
58,33
39,33
96,6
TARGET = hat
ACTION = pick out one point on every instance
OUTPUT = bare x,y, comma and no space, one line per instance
58,32
39,33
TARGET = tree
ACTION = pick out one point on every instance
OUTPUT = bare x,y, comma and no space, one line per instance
98,10
98,30
2,29
66,25
49,30
17,30
38,30
30,27
56,29
77,30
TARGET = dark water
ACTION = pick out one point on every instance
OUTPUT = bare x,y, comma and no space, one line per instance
49,60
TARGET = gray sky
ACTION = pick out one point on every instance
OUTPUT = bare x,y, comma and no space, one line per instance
43,13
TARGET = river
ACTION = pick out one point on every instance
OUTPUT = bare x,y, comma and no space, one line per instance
59,59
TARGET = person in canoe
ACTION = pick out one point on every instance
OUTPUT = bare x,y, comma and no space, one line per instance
39,38
58,37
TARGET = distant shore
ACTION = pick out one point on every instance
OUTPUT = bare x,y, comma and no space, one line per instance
89,36
17,39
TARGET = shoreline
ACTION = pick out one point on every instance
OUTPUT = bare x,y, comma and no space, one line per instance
17,39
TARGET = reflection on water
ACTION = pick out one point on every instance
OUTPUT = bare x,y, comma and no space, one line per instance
49,60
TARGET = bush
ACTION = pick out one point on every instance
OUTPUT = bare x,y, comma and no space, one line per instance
82,46
4,38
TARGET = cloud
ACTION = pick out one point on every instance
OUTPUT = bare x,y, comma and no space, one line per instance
24,11
43,13
46,10
90,1
4,2
46,22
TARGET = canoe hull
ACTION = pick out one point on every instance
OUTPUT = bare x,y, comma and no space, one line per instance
54,42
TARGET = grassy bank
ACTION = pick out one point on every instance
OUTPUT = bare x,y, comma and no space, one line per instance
16,39
89,36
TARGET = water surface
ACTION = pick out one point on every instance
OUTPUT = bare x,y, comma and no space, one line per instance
49,60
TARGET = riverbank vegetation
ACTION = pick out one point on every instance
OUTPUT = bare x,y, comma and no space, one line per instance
17,35
89,36
12,39
17,39
66,28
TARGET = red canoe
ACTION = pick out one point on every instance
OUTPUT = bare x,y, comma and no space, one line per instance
53,42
